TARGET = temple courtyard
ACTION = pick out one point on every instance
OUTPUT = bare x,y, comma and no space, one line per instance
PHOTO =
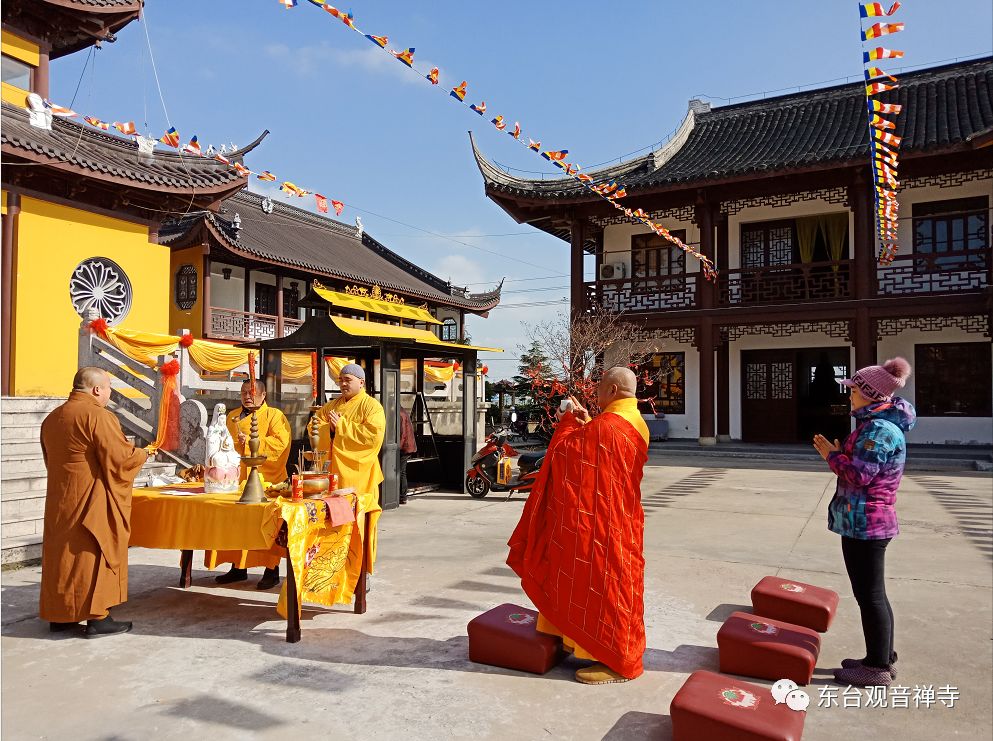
211,662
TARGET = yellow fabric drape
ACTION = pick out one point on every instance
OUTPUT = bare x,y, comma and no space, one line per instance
806,234
216,357
835,230
144,347
296,365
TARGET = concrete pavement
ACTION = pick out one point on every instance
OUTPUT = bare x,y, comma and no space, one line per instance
211,662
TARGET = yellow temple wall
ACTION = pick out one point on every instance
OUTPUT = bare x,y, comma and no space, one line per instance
51,241
191,319
22,49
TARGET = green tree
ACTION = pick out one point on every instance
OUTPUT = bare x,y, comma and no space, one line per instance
532,360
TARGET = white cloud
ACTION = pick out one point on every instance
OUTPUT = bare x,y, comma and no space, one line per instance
314,59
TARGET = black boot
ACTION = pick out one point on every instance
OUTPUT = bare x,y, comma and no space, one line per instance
269,579
62,627
106,627
232,576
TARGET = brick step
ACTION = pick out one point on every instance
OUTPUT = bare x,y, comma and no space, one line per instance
16,432
21,510
21,528
20,550
30,403
19,449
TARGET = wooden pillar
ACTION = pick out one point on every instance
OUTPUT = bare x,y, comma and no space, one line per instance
577,292
724,391
705,346
10,218
279,305
706,291
205,329
864,244
41,79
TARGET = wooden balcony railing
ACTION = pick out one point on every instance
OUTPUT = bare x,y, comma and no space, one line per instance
931,274
645,294
785,284
231,324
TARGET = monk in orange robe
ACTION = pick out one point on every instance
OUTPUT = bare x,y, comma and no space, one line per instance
91,470
579,546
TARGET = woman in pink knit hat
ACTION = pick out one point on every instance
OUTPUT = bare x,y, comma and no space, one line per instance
869,466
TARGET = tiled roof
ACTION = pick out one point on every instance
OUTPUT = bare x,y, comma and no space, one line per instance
93,153
296,238
115,6
944,107
69,25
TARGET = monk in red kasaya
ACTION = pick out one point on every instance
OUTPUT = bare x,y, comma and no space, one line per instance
579,547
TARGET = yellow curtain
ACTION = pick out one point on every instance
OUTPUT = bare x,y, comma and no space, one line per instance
143,347
296,365
806,234
433,372
216,357
835,230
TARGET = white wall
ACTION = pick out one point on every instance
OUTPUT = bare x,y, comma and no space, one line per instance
617,240
227,294
937,430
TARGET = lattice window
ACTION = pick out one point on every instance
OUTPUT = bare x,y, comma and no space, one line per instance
953,379
957,229
449,330
655,257
663,380
756,381
768,243
265,299
291,300
186,287
100,285
782,380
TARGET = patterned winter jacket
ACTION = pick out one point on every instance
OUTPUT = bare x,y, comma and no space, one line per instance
869,467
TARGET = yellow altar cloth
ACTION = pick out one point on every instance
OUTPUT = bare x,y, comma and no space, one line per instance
325,565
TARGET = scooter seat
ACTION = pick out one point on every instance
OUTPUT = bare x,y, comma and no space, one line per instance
530,460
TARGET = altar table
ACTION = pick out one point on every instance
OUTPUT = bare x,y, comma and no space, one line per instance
192,522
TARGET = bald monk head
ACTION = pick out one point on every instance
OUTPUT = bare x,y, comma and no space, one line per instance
94,382
617,383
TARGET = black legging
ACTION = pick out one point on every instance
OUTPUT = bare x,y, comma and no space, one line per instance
865,561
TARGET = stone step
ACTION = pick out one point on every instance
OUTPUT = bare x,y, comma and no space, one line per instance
21,510
23,468
19,432
30,403
19,449
21,550
20,528
23,488
32,416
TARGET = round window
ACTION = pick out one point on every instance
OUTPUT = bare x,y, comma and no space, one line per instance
98,285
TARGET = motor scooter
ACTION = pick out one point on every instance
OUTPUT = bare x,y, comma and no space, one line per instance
492,467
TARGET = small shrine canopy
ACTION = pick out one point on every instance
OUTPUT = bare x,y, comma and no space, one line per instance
368,305
420,337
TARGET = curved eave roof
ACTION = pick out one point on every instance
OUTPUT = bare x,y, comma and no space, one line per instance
296,238
73,147
105,18
945,109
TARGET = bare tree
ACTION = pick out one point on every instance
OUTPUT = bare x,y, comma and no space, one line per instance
579,350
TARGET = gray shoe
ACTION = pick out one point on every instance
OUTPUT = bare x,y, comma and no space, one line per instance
863,676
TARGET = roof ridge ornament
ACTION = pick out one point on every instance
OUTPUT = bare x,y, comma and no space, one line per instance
267,205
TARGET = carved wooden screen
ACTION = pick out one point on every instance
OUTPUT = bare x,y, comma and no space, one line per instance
769,243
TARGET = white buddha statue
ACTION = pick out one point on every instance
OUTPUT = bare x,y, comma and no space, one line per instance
222,464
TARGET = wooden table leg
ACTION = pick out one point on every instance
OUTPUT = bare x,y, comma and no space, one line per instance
360,587
185,569
292,604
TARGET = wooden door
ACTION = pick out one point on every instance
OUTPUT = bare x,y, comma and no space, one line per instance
768,396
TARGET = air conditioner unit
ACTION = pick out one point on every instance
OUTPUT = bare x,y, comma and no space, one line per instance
612,270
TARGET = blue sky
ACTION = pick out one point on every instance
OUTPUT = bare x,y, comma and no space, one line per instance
600,79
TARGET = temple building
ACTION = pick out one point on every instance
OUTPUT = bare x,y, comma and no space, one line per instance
778,193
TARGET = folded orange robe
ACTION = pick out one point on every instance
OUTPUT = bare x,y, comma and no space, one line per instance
579,546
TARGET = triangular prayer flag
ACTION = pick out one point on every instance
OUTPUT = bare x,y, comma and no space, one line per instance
170,138
880,53
266,176
516,133
242,170
406,56
96,123
876,73
498,122
338,207
60,111
288,188
536,146
878,107
288,3
555,156
875,88
881,123
458,92
193,147
480,109
881,29
433,76
380,41
126,128
222,158
887,138
875,10
322,203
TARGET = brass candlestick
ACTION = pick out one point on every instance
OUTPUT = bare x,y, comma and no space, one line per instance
253,484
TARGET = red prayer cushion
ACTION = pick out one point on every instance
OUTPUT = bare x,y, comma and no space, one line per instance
506,636
795,602
770,649
712,707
